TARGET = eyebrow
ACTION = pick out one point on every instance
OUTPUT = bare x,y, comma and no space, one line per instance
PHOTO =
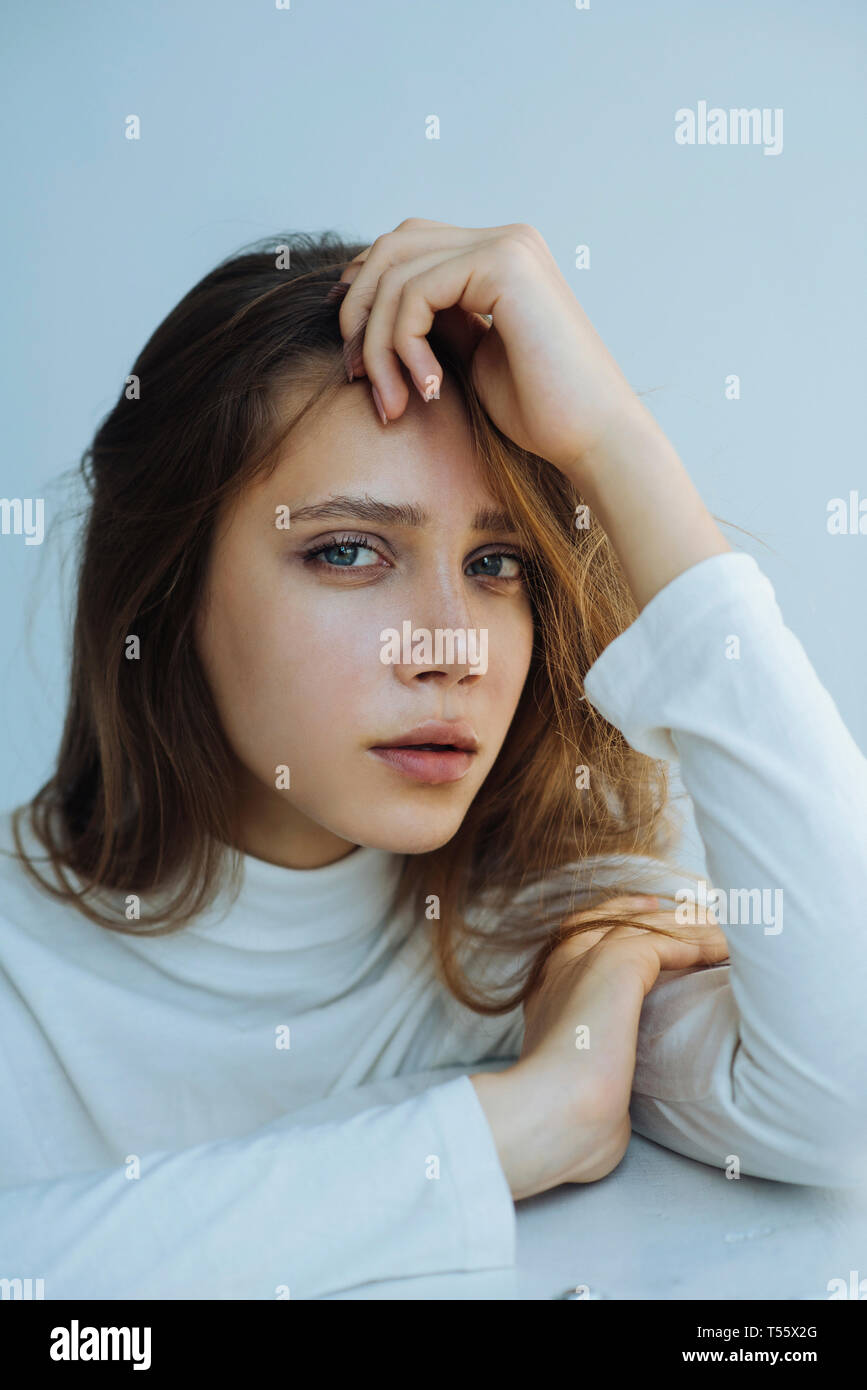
393,513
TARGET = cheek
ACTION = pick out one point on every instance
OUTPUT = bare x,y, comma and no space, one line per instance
511,650
293,672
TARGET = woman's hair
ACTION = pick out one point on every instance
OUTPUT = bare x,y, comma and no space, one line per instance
142,798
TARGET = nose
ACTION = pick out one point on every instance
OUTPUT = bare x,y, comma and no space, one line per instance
451,652
442,660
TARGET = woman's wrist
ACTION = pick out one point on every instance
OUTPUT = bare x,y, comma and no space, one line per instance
545,1133
639,491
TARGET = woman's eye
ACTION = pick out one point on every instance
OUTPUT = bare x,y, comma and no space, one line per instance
343,555
499,566
353,552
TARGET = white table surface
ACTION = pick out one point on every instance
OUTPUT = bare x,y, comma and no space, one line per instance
663,1226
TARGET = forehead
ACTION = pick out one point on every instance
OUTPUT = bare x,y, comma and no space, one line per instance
342,446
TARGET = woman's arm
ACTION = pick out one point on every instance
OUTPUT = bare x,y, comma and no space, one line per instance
637,488
765,1059
291,1210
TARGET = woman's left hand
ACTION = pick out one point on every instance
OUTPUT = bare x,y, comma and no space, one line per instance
542,372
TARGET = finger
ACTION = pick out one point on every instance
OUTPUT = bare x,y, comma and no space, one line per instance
622,901
680,954
669,936
410,224
411,238
340,287
348,274
467,281
379,349
700,920
667,952
368,324
576,944
691,943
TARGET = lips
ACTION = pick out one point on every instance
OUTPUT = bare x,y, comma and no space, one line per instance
438,733
434,752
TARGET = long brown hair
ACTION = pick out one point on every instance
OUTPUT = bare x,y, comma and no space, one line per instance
142,796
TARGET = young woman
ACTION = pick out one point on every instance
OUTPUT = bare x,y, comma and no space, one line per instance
332,935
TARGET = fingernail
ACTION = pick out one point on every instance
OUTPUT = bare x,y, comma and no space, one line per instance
347,362
380,407
429,389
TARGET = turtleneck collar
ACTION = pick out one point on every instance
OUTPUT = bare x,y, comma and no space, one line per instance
280,909
305,935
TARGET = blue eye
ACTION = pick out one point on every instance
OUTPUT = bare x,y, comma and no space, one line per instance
344,554
341,554
496,559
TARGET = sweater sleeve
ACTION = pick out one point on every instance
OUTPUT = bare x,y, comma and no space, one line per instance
291,1210
763,1060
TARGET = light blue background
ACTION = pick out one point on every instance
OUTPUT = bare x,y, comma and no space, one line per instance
705,260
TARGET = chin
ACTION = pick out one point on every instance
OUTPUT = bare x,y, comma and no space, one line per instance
411,835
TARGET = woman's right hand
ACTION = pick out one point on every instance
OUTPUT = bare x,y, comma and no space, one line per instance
561,1113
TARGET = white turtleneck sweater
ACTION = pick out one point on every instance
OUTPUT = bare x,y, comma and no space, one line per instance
275,1102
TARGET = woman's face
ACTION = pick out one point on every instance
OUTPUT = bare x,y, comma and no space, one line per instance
306,676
